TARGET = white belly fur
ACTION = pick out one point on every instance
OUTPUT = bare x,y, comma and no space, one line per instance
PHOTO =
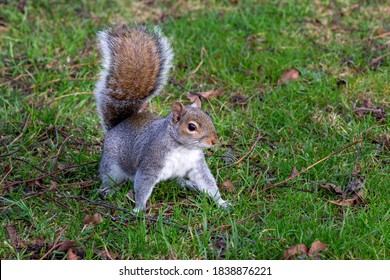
179,162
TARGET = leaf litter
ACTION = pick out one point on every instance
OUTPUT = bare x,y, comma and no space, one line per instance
301,251
352,194
288,76
368,108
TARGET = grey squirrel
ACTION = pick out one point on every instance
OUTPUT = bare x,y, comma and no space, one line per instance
140,146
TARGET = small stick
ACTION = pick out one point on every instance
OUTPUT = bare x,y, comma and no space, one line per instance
314,164
47,175
74,94
252,147
56,244
21,134
238,222
59,151
14,79
109,206
376,60
197,68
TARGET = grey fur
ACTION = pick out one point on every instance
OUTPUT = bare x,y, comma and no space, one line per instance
146,149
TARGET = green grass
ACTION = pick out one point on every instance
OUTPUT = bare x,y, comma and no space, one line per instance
48,122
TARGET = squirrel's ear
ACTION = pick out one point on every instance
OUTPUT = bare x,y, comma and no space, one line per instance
178,111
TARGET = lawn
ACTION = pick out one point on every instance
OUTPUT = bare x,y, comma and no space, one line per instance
300,96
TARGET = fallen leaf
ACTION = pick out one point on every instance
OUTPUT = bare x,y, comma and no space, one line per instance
317,247
209,94
228,185
13,236
72,256
66,245
239,100
218,243
295,251
356,185
87,219
289,75
294,173
332,188
369,108
355,200
254,40
194,99
95,219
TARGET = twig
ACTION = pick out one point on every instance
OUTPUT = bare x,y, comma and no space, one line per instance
176,83
247,154
376,60
223,227
23,130
56,244
252,147
82,64
52,82
10,154
314,164
59,151
197,68
108,253
381,36
14,79
113,207
74,94
6,175
47,175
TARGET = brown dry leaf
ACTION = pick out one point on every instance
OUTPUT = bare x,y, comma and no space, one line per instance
369,108
295,251
357,199
228,185
254,40
357,184
332,188
87,219
66,245
13,236
239,100
218,243
317,247
95,219
294,173
209,94
72,256
194,99
289,75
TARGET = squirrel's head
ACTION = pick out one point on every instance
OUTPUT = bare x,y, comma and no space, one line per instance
192,126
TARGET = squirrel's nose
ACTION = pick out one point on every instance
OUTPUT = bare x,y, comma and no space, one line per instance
214,140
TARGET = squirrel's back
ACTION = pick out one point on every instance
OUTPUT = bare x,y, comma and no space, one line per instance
136,61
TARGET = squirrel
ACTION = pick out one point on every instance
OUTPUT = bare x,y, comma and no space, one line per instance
140,146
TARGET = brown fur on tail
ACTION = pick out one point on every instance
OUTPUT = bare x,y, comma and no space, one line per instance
136,61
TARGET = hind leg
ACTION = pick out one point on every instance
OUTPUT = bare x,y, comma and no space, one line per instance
111,175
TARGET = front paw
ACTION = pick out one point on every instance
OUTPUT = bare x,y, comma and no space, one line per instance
226,206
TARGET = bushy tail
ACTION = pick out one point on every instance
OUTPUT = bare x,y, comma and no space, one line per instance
136,62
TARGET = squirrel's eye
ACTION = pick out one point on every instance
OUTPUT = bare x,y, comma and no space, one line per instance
191,127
